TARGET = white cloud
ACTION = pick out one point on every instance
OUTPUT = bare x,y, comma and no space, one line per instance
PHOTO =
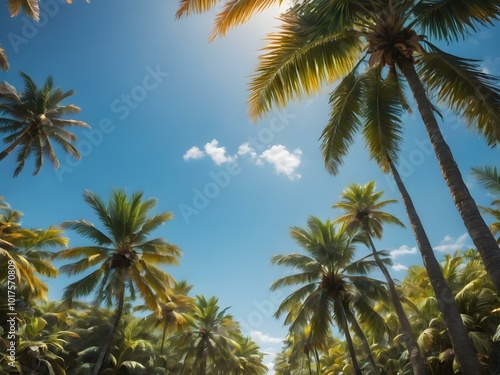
193,153
450,245
403,250
218,154
260,337
246,149
399,267
283,161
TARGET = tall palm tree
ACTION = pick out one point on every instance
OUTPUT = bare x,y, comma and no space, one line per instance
33,119
249,358
322,41
490,179
175,311
209,346
362,210
452,319
329,282
124,255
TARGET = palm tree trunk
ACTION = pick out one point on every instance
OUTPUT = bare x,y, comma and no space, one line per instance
476,227
345,327
163,336
462,346
109,342
416,358
364,342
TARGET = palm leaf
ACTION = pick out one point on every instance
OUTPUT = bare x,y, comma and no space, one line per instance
344,122
488,177
30,7
187,7
454,20
237,12
88,230
383,112
468,91
294,66
84,286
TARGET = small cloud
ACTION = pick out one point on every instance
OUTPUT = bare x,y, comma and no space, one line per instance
283,161
260,337
246,149
399,267
403,250
450,245
218,154
193,153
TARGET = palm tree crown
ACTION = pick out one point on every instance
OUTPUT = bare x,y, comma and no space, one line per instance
33,119
123,252
330,283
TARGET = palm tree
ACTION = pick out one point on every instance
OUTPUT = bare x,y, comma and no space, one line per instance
322,41
209,346
124,255
249,358
490,179
452,319
175,311
24,249
362,206
33,119
329,283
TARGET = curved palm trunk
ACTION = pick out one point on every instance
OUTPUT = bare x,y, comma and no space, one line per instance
476,227
416,358
109,341
462,346
364,341
350,345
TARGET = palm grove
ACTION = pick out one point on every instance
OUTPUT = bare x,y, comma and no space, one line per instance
442,318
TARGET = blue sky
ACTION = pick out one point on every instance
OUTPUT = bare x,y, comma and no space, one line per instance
168,116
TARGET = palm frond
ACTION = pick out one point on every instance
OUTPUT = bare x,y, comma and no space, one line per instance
83,286
383,112
454,20
294,66
188,7
4,61
488,177
237,12
344,122
88,230
30,7
468,91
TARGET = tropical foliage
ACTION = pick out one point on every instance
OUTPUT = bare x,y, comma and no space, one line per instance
442,318
373,48
342,319
33,119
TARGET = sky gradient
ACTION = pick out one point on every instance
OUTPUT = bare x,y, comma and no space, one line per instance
169,117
